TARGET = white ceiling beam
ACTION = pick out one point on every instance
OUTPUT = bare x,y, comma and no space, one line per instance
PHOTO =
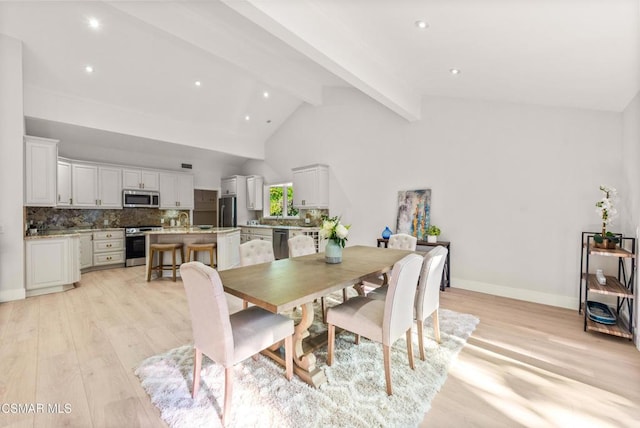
209,32
312,33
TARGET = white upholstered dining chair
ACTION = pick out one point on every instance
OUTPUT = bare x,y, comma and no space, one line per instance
382,321
399,241
428,294
229,339
301,245
255,252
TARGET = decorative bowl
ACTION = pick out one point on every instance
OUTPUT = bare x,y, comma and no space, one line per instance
205,226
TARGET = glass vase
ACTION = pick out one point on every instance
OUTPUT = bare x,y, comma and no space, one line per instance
386,233
333,252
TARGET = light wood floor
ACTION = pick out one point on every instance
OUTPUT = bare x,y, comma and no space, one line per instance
525,365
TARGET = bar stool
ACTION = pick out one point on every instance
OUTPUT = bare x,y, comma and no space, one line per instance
160,249
210,248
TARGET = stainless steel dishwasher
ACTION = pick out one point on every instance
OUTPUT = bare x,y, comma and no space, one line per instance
281,243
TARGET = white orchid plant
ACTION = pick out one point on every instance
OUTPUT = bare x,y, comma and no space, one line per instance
333,230
605,207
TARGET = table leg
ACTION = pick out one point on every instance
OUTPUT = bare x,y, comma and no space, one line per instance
305,363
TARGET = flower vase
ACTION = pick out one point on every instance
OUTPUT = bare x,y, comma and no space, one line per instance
432,239
386,233
333,252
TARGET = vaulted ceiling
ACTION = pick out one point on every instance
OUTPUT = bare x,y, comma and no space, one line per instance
148,55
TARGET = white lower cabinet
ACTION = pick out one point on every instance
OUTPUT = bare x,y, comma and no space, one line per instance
86,250
228,250
52,264
108,247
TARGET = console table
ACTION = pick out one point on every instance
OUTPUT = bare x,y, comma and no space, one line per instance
446,273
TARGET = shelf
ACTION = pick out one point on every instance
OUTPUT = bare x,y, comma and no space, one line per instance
619,329
613,287
615,252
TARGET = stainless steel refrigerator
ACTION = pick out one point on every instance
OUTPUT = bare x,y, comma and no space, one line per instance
228,211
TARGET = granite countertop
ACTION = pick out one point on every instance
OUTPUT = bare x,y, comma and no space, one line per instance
191,230
277,226
72,231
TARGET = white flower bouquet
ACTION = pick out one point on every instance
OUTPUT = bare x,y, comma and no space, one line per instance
335,231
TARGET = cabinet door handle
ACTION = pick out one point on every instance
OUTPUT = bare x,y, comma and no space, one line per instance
70,201
58,197
108,245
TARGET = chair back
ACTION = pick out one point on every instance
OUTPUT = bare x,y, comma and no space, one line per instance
255,252
428,294
398,309
301,245
402,241
210,322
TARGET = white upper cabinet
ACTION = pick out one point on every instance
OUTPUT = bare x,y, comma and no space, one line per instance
311,187
64,184
140,179
84,179
41,157
229,186
176,191
255,183
95,186
109,187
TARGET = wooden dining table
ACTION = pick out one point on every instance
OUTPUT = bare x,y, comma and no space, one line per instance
283,285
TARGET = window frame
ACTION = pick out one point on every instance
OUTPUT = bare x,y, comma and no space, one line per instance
266,208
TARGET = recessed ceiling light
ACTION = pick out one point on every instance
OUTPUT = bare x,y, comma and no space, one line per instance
89,69
94,23
421,25
265,94
197,83
247,117
454,71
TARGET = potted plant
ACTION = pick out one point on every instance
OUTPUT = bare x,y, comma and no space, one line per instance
433,232
606,211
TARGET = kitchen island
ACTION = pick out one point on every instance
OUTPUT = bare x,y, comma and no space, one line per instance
226,238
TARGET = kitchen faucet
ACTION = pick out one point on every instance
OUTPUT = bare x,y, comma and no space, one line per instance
186,219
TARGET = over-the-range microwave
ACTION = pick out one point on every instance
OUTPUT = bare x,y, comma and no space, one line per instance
140,199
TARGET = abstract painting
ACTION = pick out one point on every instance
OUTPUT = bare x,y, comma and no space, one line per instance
414,209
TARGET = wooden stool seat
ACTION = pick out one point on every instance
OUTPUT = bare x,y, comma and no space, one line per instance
210,248
160,249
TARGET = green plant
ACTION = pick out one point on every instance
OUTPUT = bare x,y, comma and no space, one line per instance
609,236
433,230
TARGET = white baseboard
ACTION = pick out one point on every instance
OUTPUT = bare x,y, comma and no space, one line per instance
516,293
15,294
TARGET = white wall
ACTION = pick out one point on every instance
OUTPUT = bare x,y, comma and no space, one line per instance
631,169
11,175
512,185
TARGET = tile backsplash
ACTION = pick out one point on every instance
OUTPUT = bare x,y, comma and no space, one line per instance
47,218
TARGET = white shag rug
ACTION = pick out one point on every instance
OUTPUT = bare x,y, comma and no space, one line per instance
354,395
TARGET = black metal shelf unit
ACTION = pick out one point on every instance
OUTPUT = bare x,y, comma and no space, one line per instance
620,286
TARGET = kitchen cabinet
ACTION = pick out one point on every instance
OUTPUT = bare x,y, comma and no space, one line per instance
52,264
228,250
231,186
86,250
311,187
176,191
108,247
64,184
84,185
248,233
255,184
40,157
140,179
96,186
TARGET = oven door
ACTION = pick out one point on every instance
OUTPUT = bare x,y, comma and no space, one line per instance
135,250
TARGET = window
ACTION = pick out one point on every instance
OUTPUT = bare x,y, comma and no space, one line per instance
280,201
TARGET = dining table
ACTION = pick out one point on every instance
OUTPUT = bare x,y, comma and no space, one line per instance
282,285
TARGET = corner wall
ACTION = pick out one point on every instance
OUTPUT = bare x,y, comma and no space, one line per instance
11,171
512,185
631,170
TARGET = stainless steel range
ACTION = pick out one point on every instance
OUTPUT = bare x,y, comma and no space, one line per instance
135,250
